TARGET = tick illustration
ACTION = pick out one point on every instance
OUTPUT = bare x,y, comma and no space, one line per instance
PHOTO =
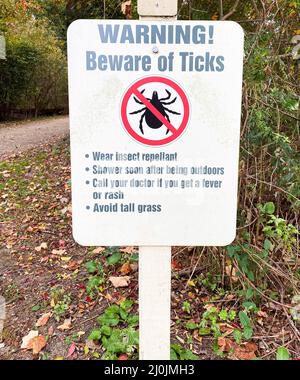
151,120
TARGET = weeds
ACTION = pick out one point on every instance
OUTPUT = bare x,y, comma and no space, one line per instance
117,332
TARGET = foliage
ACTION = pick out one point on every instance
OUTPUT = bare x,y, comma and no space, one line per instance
117,332
282,354
60,302
96,279
246,324
34,75
211,319
61,13
181,353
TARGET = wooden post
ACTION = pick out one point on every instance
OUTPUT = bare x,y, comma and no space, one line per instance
154,302
155,262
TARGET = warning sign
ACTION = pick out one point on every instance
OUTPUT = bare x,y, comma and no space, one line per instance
155,110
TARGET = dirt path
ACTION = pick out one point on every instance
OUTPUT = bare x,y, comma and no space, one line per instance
15,138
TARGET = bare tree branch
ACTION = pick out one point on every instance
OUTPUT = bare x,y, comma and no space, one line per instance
231,12
221,10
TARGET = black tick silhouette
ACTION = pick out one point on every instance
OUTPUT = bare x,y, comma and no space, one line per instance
151,120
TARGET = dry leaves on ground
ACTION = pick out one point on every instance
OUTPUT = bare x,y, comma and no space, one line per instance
37,344
99,250
119,282
27,338
245,351
43,320
33,341
66,325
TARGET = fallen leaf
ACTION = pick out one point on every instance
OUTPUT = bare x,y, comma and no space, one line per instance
50,330
226,329
128,250
66,258
108,297
222,343
119,282
26,339
125,268
73,265
230,297
71,350
262,314
58,251
134,267
98,250
66,325
231,272
40,247
61,243
208,306
246,351
43,320
123,357
191,295
37,344
175,265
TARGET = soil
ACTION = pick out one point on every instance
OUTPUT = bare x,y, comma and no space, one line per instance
19,137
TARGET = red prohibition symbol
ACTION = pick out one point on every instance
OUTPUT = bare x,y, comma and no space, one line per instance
155,111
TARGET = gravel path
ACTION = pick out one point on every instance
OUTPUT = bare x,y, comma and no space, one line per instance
15,138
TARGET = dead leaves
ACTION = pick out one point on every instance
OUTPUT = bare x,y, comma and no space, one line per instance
27,338
33,341
98,250
244,351
125,268
128,250
37,344
40,247
123,357
58,252
43,320
119,282
71,350
231,273
128,267
74,264
66,325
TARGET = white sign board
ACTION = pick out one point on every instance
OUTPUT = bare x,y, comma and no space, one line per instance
155,121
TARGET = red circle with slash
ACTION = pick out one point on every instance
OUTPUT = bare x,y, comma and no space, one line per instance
133,90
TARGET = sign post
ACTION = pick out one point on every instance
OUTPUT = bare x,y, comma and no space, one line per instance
155,262
155,108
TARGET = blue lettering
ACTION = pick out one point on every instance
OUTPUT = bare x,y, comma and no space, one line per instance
107,34
91,63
